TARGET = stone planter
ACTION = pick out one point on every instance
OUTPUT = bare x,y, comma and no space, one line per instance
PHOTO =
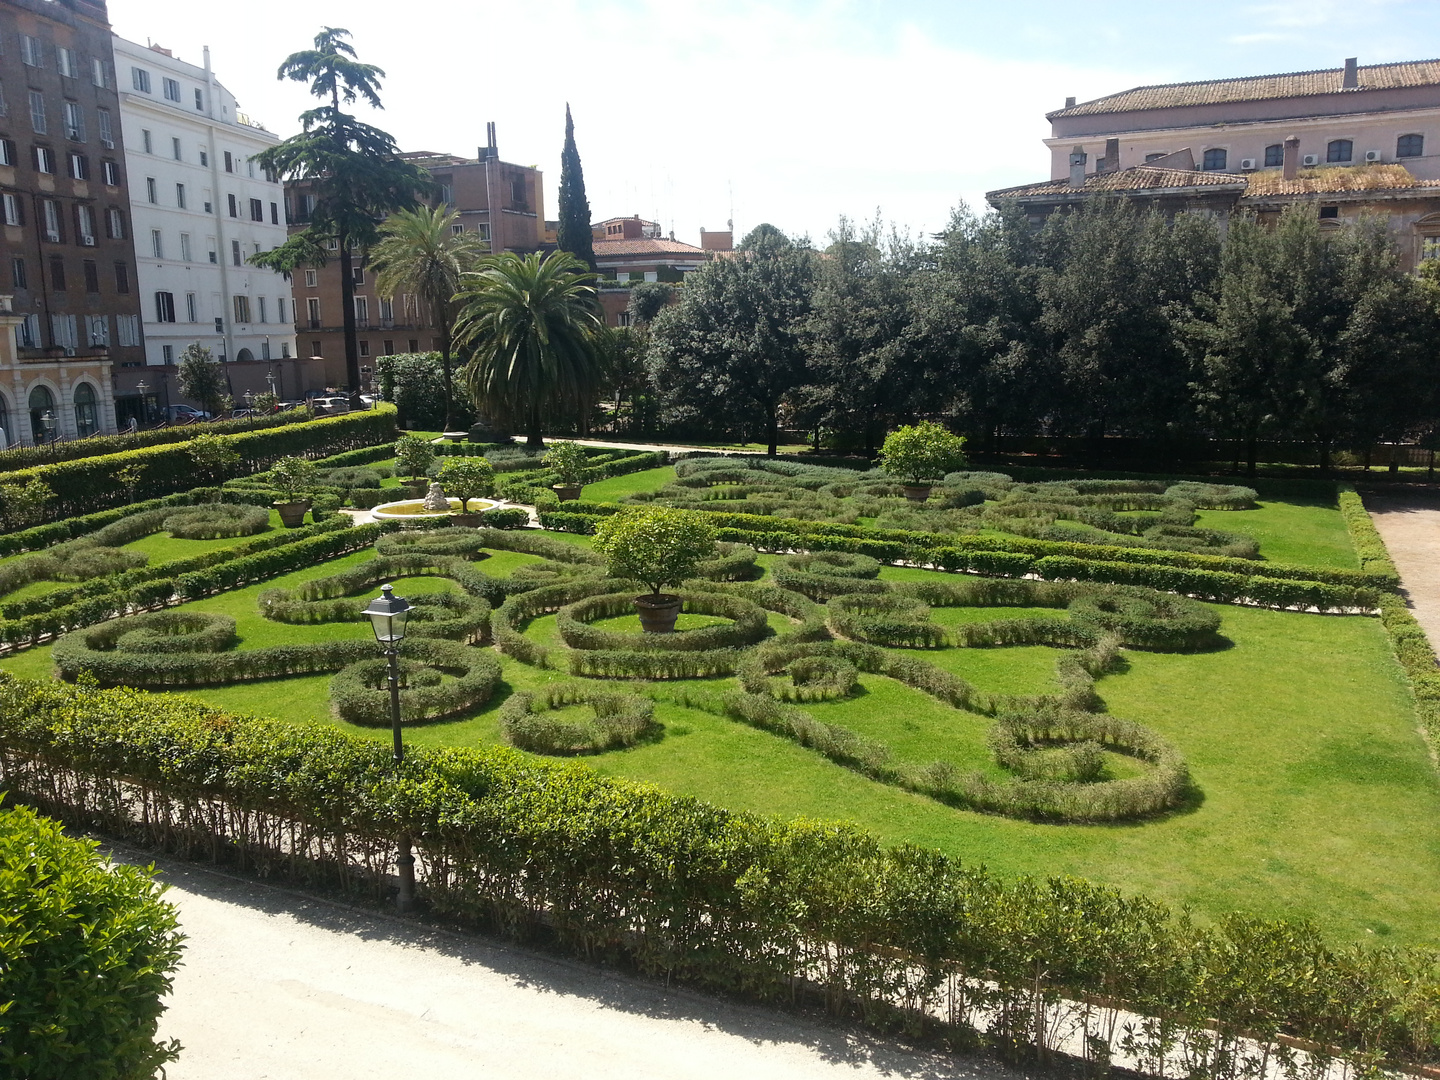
658,612
467,521
292,514
454,436
566,492
917,493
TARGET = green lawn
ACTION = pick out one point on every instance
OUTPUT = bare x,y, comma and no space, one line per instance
1309,532
617,487
1316,795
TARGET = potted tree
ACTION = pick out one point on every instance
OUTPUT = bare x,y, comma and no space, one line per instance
292,477
920,456
568,460
659,546
466,479
413,455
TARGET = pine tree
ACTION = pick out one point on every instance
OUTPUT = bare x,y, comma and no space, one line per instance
574,207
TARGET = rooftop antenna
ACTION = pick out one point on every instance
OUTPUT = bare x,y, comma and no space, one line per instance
730,221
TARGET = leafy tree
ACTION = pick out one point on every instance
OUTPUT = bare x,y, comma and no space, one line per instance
568,460
922,454
292,477
213,456
733,350
620,354
467,478
657,545
352,169
419,253
415,382
648,299
202,378
574,235
529,324
414,454
22,507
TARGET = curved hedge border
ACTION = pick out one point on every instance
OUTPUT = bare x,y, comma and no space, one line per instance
620,720
360,694
748,624
217,521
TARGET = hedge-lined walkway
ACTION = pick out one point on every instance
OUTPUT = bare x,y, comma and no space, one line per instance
281,985
1410,527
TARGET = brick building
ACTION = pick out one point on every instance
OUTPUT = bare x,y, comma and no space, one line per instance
501,202
65,251
628,250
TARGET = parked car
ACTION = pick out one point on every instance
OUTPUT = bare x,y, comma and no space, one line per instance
329,406
185,414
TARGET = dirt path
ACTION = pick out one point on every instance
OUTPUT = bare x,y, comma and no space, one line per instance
1410,527
280,985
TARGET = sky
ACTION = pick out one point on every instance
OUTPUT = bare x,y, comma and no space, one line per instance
796,113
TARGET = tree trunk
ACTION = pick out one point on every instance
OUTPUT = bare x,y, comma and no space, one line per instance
1430,473
347,313
1325,456
1394,459
1368,450
774,427
445,373
1250,453
533,437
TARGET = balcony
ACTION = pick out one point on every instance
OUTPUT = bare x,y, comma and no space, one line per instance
54,354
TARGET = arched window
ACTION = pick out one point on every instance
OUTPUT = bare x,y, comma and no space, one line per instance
1214,160
7,433
42,414
1274,155
1410,146
1340,150
244,354
87,420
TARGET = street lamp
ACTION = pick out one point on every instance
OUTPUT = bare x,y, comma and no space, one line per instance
388,614
143,388
250,406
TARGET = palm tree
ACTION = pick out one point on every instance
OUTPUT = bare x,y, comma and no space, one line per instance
420,253
530,325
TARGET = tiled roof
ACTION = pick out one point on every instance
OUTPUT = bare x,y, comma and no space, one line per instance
1258,88
1138,178
606,248
1337,178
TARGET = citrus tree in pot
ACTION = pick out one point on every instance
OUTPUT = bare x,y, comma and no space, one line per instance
568,461
466,479
292,477
413,455
921,455
659,546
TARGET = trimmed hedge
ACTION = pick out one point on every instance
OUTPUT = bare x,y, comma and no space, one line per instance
1363,536
89,950
360,694
217,521
619,719
748,624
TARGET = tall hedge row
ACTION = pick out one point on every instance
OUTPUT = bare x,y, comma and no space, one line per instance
89,484
728,901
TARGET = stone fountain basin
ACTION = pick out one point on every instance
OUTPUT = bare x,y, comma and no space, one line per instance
414,509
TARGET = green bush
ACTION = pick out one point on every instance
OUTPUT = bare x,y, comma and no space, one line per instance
748,624
655,545
619,719
359,693
413,455
566,460
1370,549
88,950
216,521
922,454
466,479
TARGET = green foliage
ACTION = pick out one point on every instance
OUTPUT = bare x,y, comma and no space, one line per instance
567,460
89,951
1369,547
360,693
415,382
466,479
201,377
655,545
23,506
217,520
619,719
923,453
747,625
413,455
292,477
574,234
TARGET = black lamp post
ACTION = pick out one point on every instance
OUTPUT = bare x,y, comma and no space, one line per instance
250,406
388,614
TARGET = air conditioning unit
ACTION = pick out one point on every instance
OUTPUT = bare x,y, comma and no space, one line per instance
1372,156
88,241
53,237
1247,164
1310,159
109,144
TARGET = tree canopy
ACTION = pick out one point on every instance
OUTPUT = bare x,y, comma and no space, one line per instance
574,233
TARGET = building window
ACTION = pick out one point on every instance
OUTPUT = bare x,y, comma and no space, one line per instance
389,347
364,348
7,152
219,327
205,157
164,307
172,90
42,405
414,345
85,412
1339,150
623,319
257,210
229,162
74,122
185,247
146,141
107,133
312,307
140,79
167,353
1214,160
387,309
151,190
12,209
110,172
92,276
175,149
29,332
362,310
357,275
234,206
114,224
274,213
97,329
18,277
517,191
265,349
157,244
280,309
65,62
482,230
180,196
190,313
1274,155
264,314
122,279
85,223
52,220
457,230
62,333
1410,146
242,308
79,167
30,51
57,273
1329,213
210,247
99,73
310,279
4,109
37,112
235,256
446,194
284,350
127,330
44,159
200,99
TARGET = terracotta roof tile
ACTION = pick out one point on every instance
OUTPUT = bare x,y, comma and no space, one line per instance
605,248
1337,178
1138,178
1258,88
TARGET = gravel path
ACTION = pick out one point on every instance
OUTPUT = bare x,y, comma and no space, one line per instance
1410,527
276,984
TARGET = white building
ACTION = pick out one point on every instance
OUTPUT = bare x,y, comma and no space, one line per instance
200,207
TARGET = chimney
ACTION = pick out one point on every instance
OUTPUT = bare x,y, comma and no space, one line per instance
489,151
1291,160
1070,102
1111,161
1077,167
1352,74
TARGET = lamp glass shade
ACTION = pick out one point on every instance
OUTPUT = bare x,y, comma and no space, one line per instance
388,614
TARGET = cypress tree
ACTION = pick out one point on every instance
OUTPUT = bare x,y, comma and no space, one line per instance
574,207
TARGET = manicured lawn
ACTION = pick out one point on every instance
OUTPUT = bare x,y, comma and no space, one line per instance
617,487
1308,532
1315,794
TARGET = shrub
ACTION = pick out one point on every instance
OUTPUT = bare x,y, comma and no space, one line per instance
466,479
23,506
619,719
359,693
216,521
1370,549
89,951
413,455
656,545
567,460
292,477
923,453
215,457
748,624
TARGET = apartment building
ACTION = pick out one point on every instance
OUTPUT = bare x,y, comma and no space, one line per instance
501,202
200,207
65,252
628,250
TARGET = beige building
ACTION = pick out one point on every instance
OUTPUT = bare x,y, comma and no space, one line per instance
46,395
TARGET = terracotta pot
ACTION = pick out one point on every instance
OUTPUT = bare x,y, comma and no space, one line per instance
658,612
292,514
917,493
566,492
467,521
